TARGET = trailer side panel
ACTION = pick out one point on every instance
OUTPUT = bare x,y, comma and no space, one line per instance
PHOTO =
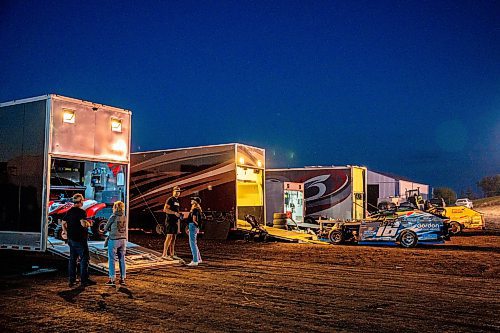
22,181
328,191
208,172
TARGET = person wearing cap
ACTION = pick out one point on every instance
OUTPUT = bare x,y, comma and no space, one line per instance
173,225
76,226
194,221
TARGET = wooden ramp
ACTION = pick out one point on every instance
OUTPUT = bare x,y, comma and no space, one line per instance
286,235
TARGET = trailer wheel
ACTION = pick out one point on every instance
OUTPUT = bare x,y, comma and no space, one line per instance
336,237
408,239
455,228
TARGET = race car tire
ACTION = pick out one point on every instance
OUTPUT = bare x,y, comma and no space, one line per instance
310,220
455,228
279,222
408,239
336,237
279,216
98,231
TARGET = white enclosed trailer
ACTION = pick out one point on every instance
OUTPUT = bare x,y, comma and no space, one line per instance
47,142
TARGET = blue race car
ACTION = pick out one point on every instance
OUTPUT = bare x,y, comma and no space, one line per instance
407,229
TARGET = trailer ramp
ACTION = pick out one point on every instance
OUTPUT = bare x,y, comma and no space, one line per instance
137,257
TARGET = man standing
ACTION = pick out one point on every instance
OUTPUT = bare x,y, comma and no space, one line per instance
76,226
173,225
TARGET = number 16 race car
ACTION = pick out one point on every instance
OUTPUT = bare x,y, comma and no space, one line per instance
406,230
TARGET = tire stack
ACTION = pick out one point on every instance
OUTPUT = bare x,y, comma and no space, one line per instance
279,221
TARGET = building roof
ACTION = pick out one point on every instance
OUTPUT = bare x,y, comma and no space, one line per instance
396,177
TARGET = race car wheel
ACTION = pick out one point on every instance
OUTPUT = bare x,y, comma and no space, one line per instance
98,228
455,228
336,237
408,239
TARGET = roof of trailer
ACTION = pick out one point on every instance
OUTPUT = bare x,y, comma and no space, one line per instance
60,97
196,147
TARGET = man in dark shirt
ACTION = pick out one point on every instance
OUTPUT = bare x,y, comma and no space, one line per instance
76,227
173,226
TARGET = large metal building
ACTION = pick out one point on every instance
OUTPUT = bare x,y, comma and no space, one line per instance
385,185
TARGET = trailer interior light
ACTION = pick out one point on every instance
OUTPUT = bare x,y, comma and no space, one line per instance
242,160
116,125
69,116
259,163
120,146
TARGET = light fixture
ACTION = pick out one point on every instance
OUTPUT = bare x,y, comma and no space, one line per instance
116,125
259,163
242,160
69,116
120,146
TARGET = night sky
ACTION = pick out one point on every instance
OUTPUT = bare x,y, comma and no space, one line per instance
411,88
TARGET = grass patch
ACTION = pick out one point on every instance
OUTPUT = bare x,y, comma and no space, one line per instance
491,201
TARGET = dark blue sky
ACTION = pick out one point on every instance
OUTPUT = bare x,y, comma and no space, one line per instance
411,88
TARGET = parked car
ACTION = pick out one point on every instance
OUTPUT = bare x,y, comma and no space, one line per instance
437,202
405,230
464,202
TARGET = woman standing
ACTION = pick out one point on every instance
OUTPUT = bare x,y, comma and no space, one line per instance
117,242
194,221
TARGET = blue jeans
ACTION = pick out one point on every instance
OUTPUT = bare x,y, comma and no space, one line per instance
78,249
117,247
193,233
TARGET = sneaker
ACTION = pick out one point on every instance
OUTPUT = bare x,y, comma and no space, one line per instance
200,261
192,263
122,282
176,257
88,283
110,283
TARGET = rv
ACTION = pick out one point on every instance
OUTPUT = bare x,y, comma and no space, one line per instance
229,179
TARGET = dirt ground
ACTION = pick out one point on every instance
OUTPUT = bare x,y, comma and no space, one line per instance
269,287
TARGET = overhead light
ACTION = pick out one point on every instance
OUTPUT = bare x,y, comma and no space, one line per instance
69,116
120,146
116,125
259,163
242,160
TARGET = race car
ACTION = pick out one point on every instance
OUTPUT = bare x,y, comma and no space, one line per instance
406,230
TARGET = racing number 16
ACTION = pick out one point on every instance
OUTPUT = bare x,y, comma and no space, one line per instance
387,231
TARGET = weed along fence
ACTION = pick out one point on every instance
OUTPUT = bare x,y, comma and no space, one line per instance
53,147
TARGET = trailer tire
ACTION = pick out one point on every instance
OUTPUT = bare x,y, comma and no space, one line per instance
336,236
408,239
279,216
455,228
